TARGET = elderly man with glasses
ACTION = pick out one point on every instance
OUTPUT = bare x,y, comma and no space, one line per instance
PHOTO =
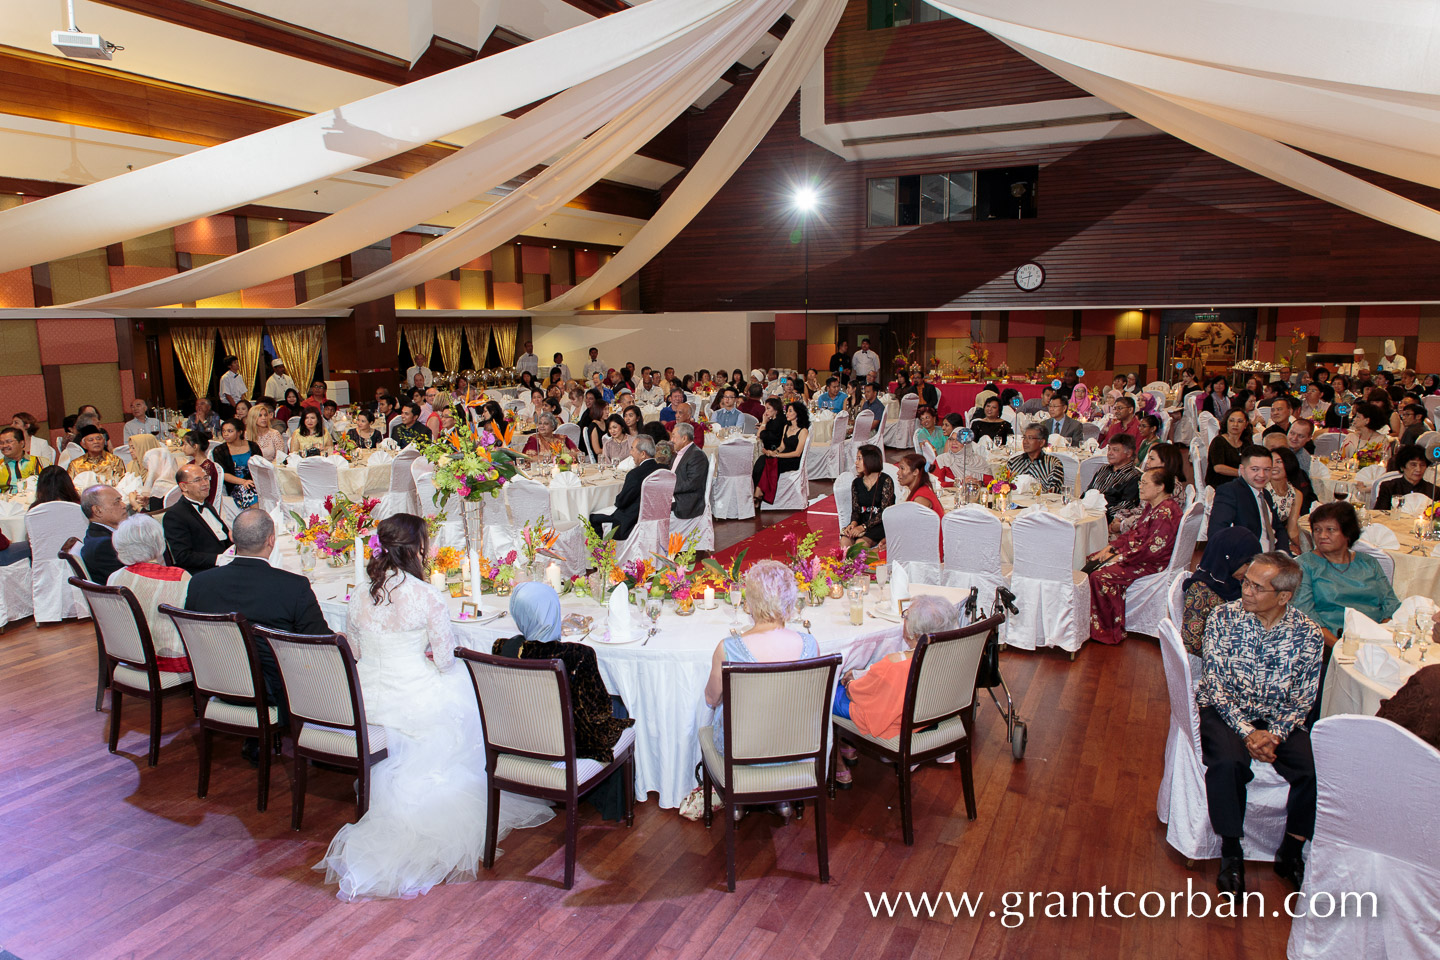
1259,679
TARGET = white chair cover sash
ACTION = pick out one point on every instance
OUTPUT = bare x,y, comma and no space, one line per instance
829,461
1054,599
652,532
973,537
901,433
733,487
912,539
1146,597
47,527
319,478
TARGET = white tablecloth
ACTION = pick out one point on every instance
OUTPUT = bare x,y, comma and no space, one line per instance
1091,533
662,682
356,481
12,520
1347,690
594,494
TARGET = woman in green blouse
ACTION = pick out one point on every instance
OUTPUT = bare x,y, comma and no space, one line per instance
1336,576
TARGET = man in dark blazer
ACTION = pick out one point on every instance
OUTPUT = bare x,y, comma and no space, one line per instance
264,595
105,509
193,529
627,505
1244,502
691,467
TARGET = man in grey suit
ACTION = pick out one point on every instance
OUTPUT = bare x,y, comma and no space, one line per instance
1067,427
691,467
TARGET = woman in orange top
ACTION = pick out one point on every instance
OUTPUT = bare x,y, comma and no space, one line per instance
875,701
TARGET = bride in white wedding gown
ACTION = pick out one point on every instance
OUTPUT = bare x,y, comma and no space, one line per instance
426,821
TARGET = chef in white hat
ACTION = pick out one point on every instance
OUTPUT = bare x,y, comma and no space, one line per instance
1391,361
1358,366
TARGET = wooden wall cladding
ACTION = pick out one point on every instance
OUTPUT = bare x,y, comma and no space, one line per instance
1132,221
943,65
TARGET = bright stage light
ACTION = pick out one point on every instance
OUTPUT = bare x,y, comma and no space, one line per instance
805,199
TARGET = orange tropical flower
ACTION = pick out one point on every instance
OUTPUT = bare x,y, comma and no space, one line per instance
677,543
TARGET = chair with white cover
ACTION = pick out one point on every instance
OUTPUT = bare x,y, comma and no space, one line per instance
571,431
1181,803
401,497
16,598
1322,480
123,633
912,540
267,487
1089,467
319,478
530,743
40,447
229,688
327,712
70,452
389,427
173,497
1146,598
829,460
777,735
844,502
451,532
925,450
1071,466
47,527
938,715
1373,492
972,550
1432,407
863,435
702,528
733,493
1373,776
1054,599
1207,426
652,531
1090,431
1430,439
1175,597
529,504
901,433
293,424
1328,443
1382,557
792,488
748,424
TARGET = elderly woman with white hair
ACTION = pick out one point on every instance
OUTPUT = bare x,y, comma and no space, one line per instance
140,546
875,700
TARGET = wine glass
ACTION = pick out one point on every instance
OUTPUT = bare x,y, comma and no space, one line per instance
652,609
735,595
1402,639
882,575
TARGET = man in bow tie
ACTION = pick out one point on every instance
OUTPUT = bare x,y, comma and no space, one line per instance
193,528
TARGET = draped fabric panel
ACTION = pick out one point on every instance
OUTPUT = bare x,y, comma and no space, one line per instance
299,346
563,180
421,338
195,349
449,336
542,133
478,335
244,342
505,332
804,43
313,148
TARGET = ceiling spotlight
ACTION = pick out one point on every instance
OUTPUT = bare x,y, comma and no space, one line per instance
805,199
82,46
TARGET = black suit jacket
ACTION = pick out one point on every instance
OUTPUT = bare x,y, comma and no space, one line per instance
261,593
627,504
98,552
1235,506
690,472
193,545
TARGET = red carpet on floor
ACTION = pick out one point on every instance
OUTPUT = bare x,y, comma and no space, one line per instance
769,544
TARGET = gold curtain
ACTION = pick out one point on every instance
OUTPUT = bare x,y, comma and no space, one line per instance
479,336
421,337
449,336
195,349
505,333
244,343
298,346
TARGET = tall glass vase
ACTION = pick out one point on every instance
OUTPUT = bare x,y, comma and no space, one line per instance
474,525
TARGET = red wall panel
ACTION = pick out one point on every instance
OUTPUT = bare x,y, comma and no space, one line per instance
77,341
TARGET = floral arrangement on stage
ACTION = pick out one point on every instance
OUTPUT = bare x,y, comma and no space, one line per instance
333,535
1299,344
978,360
470,464
1050,363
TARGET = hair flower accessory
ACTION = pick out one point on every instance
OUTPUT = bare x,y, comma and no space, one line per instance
374,544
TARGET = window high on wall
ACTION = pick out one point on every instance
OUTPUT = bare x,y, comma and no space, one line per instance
907,201
902,13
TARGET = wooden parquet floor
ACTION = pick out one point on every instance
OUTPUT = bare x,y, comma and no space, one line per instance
101,856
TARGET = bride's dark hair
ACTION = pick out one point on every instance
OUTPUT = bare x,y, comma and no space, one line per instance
404,544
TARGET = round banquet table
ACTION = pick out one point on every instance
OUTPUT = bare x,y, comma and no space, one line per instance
12,520
1415,573
357,481
1347,689
1091,532
593,493
960,397
662,682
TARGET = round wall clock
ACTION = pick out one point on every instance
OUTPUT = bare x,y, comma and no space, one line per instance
1029,276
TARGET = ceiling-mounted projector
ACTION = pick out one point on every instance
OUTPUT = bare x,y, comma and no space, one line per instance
87,46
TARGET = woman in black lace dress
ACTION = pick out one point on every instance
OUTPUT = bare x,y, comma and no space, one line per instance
870,493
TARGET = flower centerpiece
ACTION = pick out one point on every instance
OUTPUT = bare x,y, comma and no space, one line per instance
449,563
471,464
536,539
565,460
334,534
600,552
723,577
345,446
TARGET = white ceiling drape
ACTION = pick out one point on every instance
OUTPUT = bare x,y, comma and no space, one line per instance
313,148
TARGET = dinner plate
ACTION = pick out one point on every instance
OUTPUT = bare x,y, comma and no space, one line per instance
606,639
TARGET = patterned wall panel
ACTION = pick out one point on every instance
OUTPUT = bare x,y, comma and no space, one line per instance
508,296
442,294
78,277
77,341
260,230
322,279
17,288
19,348
275,294
474,289
122,278
97,383
534,259
230,300
152,250
536,288
24,393
211,235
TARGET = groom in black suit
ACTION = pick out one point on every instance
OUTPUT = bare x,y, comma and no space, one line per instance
193,528
1245,502
627,505
266,596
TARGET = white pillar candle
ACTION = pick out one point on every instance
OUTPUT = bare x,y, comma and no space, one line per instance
437,580
709,598
359,556
552,576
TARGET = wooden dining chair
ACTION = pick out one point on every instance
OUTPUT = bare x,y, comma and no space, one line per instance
124,637
938,716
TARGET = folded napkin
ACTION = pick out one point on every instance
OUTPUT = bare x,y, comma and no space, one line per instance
129,484
620,613
626,465
379,458
1072,511
338,460
1381,536
1362,628
565,478
85,478
1376,663
1058,441
1030,511
389,445
1368,475
987,444
1411,606
1093,500
1026,484
1413,503
899,586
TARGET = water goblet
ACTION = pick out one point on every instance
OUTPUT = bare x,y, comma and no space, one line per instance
1402,638
652,609
735,596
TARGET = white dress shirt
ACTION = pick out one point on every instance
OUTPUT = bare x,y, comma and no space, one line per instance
148,425
424,371
232,388
564,371
864,363
276,386
211,518
528,361
594,367
649,395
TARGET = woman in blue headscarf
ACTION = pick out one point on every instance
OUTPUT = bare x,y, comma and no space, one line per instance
598,729
1217,580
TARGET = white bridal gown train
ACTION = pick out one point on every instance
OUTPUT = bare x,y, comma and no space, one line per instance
426,822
